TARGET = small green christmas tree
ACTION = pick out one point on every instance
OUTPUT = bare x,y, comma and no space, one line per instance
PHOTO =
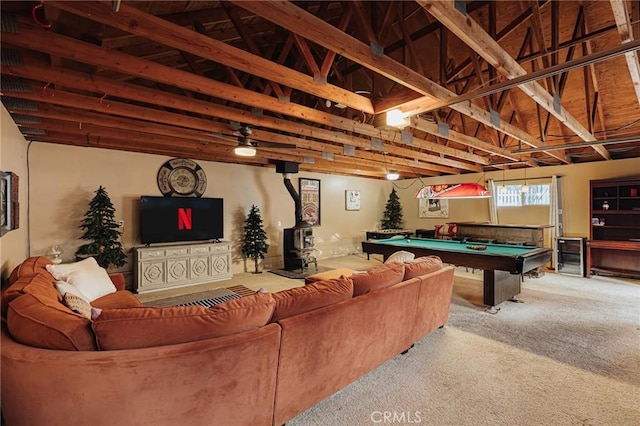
255,245
101,228
392,218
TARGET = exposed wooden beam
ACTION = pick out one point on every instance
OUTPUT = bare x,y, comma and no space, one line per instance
625,29
473,35
290,16
137,22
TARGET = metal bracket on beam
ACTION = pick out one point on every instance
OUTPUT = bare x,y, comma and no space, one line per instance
327,156
349,150
461,6
557,106
406,137
494,117
443,129
258,112
376,144
308,160
376,49
284,99
319,78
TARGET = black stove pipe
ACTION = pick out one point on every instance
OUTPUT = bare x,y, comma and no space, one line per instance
297,201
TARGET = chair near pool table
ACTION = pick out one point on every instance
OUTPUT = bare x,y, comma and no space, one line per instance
439,233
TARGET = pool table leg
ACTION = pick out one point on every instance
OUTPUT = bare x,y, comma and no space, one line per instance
500,286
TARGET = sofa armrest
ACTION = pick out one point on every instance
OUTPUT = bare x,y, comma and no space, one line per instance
118,280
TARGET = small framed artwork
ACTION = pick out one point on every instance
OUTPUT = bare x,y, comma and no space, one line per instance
310,198
352,199
433,208
9,212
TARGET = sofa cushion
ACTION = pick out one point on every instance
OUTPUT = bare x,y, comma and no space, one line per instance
43,322
376,278
309,297
400,256
86,275
119,299
142,327
64,287
421,266
30,266
38,283
328,275
77,304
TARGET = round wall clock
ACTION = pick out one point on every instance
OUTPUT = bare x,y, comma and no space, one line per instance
182,177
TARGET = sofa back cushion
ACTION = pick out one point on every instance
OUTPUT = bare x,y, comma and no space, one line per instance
44,322
297,300
32,265
36,283
381,276
143,327
421,266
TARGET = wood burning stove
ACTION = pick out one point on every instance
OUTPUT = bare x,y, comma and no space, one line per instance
299,250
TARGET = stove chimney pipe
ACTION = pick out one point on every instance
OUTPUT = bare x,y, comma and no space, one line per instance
296,199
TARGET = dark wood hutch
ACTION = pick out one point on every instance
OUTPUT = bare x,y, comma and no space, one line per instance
614,240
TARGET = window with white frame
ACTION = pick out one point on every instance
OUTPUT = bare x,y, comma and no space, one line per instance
513,196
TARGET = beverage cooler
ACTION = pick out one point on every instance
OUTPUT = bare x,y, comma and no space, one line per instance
570,256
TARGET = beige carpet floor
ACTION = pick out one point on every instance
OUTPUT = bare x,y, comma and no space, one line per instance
568,355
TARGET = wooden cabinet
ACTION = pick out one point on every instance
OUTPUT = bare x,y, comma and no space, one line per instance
614,240
171,266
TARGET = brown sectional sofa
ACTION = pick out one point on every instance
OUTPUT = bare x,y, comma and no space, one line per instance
263,370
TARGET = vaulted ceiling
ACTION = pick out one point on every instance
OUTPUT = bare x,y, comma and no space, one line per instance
481,85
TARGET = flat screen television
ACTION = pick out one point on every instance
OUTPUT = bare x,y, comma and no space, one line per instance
180,219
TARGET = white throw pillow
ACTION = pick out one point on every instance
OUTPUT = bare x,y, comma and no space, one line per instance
64,287
86,276
400,256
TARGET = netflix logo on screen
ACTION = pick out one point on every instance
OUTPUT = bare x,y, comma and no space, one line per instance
167,219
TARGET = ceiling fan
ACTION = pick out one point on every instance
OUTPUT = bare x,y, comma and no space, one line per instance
247,146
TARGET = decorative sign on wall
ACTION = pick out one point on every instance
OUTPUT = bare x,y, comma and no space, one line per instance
352,199
310,198
9,205
433,208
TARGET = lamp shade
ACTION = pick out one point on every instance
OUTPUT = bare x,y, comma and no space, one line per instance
454,190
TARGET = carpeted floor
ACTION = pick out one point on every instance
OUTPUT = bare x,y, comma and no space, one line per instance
568,355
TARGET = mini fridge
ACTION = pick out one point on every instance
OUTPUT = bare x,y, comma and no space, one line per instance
570,256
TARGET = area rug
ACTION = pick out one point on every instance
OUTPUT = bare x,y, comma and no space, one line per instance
296,274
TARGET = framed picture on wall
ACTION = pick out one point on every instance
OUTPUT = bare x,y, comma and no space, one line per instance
352,199
310,197
433,208
9,212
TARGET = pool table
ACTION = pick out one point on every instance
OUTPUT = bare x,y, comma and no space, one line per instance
503,264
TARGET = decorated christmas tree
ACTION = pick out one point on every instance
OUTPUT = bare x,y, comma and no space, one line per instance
392,218
103,231
255,239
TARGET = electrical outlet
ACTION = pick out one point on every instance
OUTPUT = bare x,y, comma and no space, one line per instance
121,223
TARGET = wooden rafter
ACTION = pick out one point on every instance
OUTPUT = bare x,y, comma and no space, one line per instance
473,35
625,29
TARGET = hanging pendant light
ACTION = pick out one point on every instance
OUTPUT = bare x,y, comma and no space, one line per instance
503,187
525,187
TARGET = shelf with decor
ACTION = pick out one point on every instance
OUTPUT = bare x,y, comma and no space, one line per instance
614,240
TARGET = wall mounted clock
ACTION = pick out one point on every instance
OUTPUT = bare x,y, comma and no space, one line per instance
182,177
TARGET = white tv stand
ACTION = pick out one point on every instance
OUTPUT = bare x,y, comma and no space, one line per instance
170,266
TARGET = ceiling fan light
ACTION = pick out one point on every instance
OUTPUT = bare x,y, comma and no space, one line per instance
393,175
245,151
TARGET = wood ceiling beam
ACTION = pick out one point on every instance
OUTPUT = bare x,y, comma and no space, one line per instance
625,29
297,20
133,20
473,35
97,85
